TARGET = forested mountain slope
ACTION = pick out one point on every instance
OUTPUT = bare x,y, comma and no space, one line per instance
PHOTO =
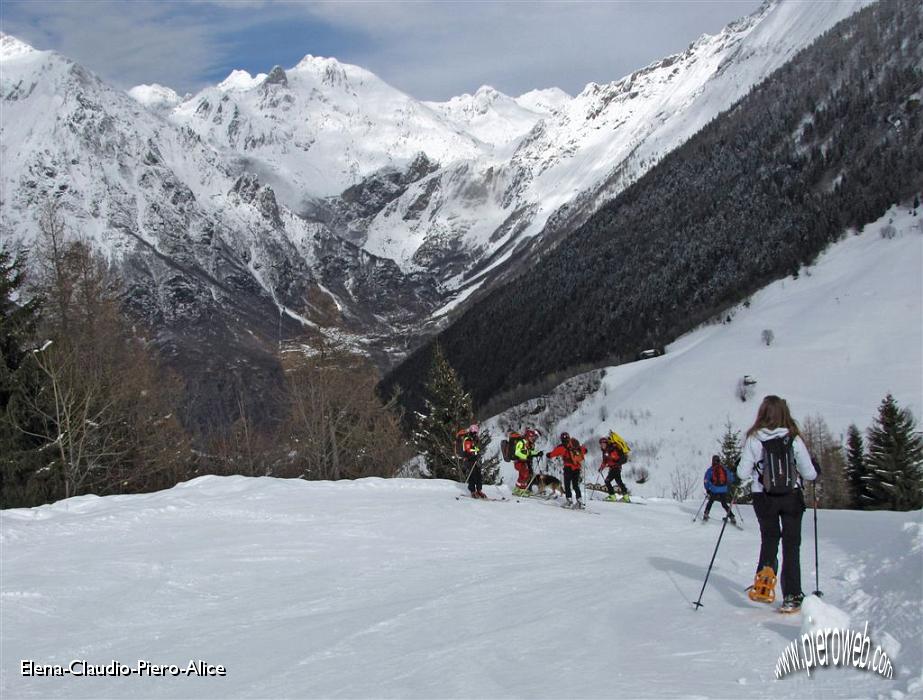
829,141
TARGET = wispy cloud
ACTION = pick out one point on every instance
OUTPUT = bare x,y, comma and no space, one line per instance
432,50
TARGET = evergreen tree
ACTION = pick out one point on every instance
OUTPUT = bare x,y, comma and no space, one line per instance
893,477
855,463
17,321
729,452
20,461
448,409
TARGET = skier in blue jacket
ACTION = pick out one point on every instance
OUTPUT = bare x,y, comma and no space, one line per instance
718,482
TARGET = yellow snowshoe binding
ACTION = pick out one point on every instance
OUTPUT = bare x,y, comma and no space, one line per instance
764,586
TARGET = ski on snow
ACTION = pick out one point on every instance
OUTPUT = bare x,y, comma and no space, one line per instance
468,498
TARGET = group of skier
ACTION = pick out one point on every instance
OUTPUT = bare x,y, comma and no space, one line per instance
774,461
522,452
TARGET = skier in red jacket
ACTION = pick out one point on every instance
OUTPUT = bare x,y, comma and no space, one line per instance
471,449
572,453
613,459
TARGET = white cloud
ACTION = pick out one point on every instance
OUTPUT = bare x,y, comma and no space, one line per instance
432,50
126,43
438,49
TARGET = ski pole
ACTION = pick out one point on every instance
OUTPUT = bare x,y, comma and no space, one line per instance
698,603
817,590
595,483
700,509
471,471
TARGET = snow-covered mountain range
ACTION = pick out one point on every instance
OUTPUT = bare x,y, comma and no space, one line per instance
322,195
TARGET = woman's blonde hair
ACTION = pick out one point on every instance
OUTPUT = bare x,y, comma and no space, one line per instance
774,413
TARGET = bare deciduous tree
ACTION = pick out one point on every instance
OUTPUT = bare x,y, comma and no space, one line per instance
833,485
338,427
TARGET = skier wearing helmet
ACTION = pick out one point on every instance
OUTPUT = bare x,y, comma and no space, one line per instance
471,449
572,453
524,452
613,459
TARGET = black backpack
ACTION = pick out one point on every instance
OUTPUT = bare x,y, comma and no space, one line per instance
778,473
508,447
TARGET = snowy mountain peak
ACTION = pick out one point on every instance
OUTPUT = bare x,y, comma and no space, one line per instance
11,47
239,80
329,71
549,100
155,96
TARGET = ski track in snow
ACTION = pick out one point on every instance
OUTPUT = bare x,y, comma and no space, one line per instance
392,588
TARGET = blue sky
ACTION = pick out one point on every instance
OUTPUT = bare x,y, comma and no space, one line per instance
431,50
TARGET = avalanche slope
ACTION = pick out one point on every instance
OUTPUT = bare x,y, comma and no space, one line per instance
392,588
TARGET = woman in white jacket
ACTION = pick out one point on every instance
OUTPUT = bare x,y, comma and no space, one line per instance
778,502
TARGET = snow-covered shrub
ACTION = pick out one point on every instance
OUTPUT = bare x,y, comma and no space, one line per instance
682,484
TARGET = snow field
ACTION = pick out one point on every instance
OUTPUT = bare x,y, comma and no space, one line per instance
393,588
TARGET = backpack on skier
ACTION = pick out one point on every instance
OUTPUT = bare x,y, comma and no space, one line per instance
508,447
719,475
577,451
622,446
459,447
778,473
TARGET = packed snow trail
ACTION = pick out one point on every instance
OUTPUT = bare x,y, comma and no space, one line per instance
393,588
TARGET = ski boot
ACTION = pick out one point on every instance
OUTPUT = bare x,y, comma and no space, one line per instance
791,604
578,505
567,504
474,495
705,518
763,589
481,494
519,491
613,497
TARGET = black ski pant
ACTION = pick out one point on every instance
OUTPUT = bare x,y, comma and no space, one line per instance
780,518
615,474
572,478
475,480
722,498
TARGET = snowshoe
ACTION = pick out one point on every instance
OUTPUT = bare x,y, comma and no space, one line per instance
525,493
764,586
